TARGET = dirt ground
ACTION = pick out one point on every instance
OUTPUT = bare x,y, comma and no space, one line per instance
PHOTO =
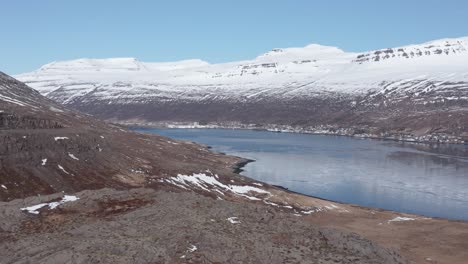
151,226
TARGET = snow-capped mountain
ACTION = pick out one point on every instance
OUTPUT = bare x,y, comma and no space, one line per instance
417,89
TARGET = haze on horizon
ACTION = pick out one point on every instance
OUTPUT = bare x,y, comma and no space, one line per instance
214,31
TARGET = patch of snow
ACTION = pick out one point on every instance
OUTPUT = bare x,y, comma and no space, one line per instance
137,171
270,203
52,205
233,220
251,198
331,207
60,167
192,248
33,209
218,191
401,219
4,187
60,138
324,208
211,183
73,156
55,109
246,189
102,137
44,161
11,100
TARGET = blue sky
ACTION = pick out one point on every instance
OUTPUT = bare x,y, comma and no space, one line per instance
37,32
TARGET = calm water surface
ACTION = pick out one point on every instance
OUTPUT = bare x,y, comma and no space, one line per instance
429,180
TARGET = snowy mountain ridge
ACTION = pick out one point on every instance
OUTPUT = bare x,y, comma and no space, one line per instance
438,47
308,85
309,63
117,65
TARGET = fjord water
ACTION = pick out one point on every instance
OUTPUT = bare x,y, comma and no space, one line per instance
423,179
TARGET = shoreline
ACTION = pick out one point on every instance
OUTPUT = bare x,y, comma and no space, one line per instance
238,166
237,169
456,141
418,238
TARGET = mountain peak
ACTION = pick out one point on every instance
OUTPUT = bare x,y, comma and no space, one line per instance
87,64
311,51
319,47
433,49
117,65
449,41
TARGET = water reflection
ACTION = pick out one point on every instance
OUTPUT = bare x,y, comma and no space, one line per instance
407,177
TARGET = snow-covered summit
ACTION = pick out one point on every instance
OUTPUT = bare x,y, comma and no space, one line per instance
90,65
438,49
280,66
311,51
116,65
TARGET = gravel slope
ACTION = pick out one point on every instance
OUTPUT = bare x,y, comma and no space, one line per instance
147,226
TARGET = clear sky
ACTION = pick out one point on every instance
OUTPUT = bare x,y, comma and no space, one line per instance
36,32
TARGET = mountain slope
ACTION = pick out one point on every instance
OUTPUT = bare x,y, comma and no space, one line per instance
416,92
46,148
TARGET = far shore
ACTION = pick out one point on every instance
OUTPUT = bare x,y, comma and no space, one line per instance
326,132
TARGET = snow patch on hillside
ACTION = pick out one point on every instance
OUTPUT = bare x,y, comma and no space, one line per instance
211,183
401,219
73,156
52,205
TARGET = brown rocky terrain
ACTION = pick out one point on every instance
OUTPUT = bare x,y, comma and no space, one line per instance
148,226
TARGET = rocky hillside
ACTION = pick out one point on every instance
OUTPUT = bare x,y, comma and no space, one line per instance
416,92
46,148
